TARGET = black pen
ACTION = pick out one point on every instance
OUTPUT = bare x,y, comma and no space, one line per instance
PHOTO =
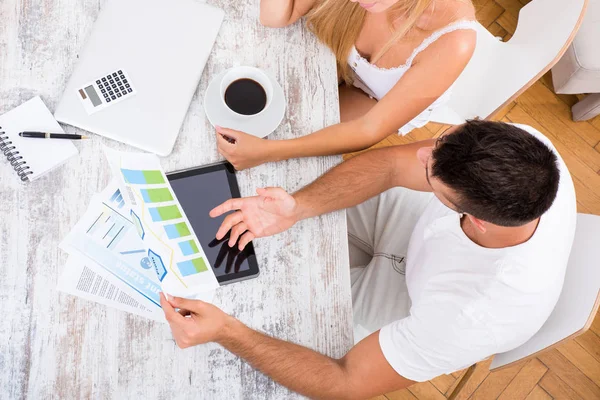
228,138
45,135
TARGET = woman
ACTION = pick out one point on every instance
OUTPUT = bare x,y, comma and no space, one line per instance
399,59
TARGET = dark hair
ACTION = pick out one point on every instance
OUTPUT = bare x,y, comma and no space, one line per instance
500,173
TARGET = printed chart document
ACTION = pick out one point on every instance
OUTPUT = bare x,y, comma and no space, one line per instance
172,248
84,278
109,262
108,237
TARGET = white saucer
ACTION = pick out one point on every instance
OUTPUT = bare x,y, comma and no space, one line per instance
259,125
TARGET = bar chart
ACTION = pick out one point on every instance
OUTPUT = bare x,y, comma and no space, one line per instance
174,253
117,199
179,230
192,267
156,195
188,247
143,177
109,228
165,213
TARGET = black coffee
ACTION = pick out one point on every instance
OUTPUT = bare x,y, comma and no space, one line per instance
245,96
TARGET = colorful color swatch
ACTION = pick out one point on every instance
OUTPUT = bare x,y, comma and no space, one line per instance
192,267
137,177
177,230
188,247
156,195
165,213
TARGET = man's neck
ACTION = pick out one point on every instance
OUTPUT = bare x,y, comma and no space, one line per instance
497,237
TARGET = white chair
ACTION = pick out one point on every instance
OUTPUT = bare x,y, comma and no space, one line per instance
500,71
578,71
576,307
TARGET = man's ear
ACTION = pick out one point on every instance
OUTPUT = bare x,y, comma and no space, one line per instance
479,224
423,154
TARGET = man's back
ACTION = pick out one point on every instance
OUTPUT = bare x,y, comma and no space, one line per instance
469,302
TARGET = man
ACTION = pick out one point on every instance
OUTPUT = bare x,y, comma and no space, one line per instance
458,251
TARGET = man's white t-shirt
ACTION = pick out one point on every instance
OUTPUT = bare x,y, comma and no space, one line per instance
470,302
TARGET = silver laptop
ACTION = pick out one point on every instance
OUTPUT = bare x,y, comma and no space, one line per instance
139,70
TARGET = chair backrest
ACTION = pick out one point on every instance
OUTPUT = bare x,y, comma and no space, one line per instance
578,301
499,71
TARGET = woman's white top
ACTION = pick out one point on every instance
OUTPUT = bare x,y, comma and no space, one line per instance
377,82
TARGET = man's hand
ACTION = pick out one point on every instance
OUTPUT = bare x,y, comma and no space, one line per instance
272,211
362,373
196,322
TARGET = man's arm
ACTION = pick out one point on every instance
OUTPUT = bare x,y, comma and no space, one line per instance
362,373
346,185
363,177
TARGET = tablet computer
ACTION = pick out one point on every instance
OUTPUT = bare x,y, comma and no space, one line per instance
199,190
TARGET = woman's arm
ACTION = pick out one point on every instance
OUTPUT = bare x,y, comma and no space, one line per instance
422,84
434,71
280,13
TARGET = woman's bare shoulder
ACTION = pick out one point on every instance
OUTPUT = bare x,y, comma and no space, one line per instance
446,13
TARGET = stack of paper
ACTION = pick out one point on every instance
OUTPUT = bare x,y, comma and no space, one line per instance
128,248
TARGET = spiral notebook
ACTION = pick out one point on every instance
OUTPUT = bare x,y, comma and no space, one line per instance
32,158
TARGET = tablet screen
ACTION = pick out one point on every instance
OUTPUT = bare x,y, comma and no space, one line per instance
199,191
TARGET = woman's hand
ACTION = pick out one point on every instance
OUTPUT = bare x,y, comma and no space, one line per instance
243,150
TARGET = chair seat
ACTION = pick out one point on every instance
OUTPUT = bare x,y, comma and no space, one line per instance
585,45
579,69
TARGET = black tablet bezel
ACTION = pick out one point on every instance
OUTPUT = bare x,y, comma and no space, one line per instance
254,271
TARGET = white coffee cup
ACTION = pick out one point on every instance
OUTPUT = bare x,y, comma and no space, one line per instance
244,72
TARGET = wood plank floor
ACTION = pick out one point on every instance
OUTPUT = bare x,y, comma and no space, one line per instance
571,371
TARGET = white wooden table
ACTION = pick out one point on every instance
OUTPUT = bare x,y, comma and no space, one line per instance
57,346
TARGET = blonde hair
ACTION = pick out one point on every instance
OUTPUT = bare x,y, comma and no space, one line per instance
337,23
